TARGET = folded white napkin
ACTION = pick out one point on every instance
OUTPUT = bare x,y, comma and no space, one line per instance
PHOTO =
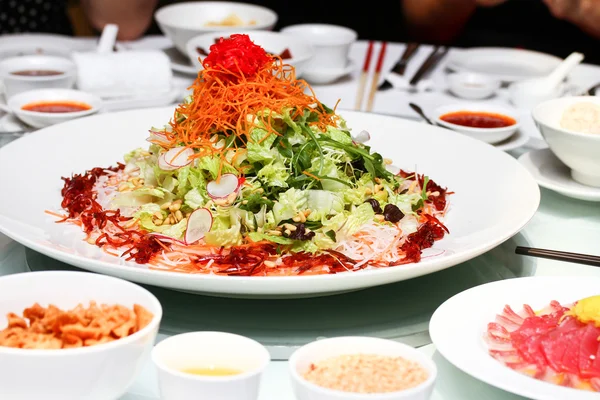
401,82
127,73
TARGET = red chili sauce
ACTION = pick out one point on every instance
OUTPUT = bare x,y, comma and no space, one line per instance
37,72
478,119
56,106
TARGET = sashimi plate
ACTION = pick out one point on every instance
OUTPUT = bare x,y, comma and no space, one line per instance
458,327
494,198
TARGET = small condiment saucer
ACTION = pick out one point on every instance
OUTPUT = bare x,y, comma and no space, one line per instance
516,140
180,62
327,75
551,173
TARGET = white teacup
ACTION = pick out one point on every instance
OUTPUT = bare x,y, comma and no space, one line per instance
24,73
331,44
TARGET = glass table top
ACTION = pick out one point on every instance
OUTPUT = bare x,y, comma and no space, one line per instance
398,311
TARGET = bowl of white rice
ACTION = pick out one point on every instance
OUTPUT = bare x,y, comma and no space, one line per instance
571,127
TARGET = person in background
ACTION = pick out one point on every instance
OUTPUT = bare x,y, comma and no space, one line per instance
57,16
132,16
556,27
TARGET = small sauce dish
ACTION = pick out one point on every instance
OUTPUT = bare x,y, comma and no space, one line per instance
326,76
44,107
471,85
486,122
361,368
209,365
24,73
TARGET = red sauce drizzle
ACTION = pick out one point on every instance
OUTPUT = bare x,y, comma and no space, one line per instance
478,119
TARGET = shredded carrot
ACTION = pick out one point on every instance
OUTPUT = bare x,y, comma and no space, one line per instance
236,105
59,215
311,175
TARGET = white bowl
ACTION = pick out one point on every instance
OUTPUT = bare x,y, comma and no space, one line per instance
100,372
579,151
471,85
488,135
43,119
14,84
209,350
301,359
273,42
331,44
182,21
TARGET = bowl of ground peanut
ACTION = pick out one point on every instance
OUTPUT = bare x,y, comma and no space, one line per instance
361,368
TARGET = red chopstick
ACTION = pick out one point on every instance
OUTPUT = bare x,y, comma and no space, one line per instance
363,76
376,75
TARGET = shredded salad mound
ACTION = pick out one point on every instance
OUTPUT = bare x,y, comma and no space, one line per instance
254,176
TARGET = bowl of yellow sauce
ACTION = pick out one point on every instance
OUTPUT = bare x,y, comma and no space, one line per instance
219,365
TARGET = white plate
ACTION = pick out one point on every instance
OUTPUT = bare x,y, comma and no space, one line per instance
102,140
40,43
505,64
458,325
180,62
518,139
552,174
154,100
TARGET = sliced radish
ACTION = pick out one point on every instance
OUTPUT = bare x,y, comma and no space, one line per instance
179,156
220,144
165,238
229,183
362,137
199,223
158,136
164,165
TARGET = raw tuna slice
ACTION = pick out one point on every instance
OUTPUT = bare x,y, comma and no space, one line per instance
557,343
527,339
589,347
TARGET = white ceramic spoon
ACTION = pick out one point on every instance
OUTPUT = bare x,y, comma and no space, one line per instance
531,92
108,38
5,108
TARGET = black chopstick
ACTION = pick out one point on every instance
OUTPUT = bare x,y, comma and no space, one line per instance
431,61
577,258
400,66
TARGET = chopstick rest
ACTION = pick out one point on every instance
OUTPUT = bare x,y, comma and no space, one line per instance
401,82
127,74
419,81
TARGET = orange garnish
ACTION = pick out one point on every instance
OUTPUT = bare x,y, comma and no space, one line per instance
226,101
